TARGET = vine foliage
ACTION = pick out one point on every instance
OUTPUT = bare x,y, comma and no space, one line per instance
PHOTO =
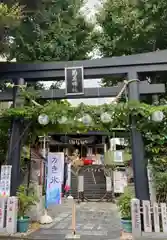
154,133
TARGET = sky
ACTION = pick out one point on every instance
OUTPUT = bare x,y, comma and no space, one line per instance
91,5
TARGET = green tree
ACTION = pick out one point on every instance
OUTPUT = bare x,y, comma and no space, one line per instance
129,27
56,31
9,18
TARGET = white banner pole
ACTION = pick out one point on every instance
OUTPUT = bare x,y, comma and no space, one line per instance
45,219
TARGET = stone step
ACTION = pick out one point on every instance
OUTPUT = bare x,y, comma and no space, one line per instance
91,190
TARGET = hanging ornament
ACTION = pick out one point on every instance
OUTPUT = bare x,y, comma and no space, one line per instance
157,116
105,117
62,120
43,119
86,119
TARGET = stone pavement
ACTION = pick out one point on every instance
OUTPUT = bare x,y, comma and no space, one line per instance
94,221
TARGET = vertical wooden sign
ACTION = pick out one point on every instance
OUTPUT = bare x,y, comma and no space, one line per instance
147,216
11,219
108,184
80,183
156,217
164,216
152,189
118,156
136,219
3,203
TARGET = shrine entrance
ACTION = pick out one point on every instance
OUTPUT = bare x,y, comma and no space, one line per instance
133,68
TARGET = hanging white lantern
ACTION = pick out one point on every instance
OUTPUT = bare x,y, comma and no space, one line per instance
105,117
43,119
157,116
86,119
79,119
62,120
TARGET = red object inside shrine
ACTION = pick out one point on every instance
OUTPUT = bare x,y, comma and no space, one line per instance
88,161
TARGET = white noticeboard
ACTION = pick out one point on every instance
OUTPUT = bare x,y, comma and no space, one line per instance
5,182
120,181
55,176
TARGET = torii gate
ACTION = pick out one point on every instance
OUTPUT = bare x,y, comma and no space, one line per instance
128,66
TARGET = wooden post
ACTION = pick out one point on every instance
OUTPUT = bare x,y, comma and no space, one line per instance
73,235
73,217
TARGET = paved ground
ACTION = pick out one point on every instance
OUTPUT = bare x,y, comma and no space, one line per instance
95,221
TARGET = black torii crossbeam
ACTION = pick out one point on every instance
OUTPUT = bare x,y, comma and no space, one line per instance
128,66
97,68
144,89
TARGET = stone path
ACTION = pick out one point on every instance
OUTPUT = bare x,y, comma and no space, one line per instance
95,221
